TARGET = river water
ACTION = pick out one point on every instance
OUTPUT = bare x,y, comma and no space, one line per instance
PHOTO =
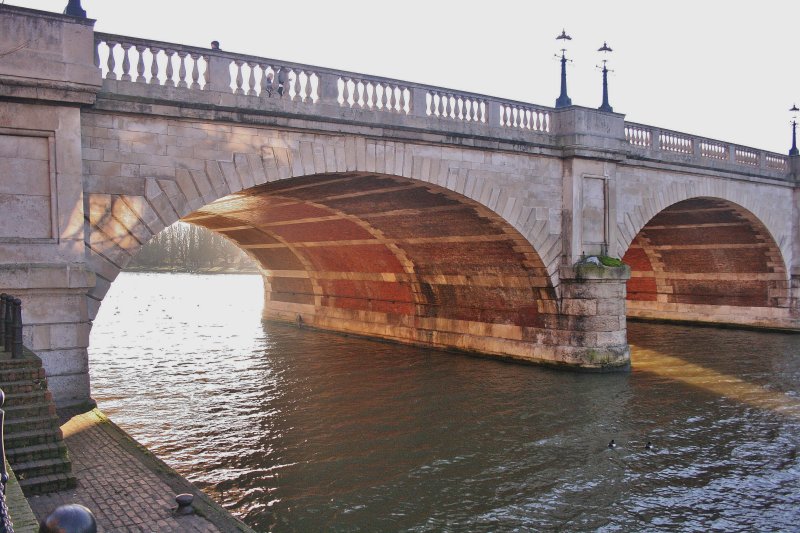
300,430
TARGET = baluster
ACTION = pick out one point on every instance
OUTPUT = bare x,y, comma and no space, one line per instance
111,75
195,70
169,80
392,102
140,64
126,62
440,105
373,95
369,96
309,88
346,92
97,53
384,98
154,66
182,69
356,94
252,81
363,96
296,95
283,82
266,90
239,77
402,102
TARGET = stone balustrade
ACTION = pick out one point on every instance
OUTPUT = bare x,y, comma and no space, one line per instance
653,140
134,60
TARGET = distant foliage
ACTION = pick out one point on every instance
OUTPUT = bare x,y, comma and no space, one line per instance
186,247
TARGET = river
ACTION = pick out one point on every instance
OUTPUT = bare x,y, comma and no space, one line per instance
301,430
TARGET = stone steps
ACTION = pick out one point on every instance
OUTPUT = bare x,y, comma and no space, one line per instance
30,410
19,424
23,386
47,484
34,442
33,437
27,398
38,452
43,467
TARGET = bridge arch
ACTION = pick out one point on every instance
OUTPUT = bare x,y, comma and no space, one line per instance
708,259
402,241
769,205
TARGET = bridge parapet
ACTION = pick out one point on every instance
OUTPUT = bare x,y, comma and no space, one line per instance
317,90
158,63
673,146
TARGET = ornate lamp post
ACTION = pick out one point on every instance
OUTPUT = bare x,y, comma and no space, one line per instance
605,50
74,9
793,150
563,100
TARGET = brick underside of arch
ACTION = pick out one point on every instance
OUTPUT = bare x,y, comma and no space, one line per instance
391,258
708,260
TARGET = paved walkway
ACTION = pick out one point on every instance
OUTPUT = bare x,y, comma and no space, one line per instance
126,487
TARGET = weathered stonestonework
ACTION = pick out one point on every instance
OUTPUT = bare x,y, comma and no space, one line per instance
375,206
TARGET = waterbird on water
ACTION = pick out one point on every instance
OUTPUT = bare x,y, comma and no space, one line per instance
612,444
648,446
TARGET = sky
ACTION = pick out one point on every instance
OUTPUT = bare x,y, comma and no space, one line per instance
726,70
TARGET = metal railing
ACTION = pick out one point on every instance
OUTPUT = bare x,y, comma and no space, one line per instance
6,525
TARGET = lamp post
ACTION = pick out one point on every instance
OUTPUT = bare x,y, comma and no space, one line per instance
793,150
605,106
74,9
563,100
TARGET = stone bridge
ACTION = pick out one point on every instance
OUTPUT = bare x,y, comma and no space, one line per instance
375,206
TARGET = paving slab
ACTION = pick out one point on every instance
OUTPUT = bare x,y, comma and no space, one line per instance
127,488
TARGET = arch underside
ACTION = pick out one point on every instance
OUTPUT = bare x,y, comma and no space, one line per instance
392,258
707,260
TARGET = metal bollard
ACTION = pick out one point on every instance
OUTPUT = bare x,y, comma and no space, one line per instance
9,323
184,502
3,298
16,351
72,518
3,470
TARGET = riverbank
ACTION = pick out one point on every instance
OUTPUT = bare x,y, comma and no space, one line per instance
198,270
127,487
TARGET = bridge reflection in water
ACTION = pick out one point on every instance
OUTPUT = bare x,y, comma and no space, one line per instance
305,430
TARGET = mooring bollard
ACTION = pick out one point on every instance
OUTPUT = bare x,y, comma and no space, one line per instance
16,349
184,502
72,518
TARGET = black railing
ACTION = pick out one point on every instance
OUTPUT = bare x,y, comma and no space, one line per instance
11,325
5,521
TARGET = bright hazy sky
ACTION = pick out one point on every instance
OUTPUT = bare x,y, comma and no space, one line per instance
727,70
